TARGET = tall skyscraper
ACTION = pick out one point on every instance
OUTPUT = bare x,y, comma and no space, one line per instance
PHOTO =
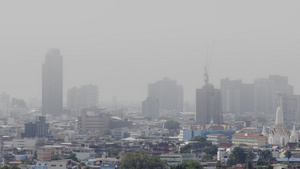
167,93
266,92
52,85
290,105
208,105
86,96
237,97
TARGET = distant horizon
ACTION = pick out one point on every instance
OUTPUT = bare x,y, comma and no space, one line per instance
121,46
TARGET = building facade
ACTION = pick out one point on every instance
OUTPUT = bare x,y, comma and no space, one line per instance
208,105
250,139
167,93
84,97
52,83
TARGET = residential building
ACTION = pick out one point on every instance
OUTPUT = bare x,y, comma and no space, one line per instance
290,105
57,164
84,97
266,91
150,108
52,83
168,94
237,97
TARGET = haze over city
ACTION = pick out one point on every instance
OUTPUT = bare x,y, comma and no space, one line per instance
121,46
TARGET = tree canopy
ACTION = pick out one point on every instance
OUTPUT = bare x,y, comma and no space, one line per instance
188,165
141,160
238,156
171,125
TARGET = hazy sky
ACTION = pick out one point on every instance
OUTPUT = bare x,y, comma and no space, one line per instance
122,45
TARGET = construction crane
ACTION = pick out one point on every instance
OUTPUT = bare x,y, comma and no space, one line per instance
208,60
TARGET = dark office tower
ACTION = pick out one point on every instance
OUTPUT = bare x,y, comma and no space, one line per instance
38,129
208,105
52,94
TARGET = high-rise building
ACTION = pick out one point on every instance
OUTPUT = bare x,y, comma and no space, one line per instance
168,94
150,108
237,97
38,129
208,105
52,83
84,97
266,91
290,105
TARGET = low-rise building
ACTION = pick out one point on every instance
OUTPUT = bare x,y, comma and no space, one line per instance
216,139
250,139
174,159
57,164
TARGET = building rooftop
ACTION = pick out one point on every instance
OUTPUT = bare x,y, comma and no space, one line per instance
256,135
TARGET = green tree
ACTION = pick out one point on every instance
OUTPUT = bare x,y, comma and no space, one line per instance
98,155
202,141
141,160
238,156
72,157
269,166
288,155
261,161
207,158
172,125
212,150
106,132
113,152
188,165
186,149
249,164
250,155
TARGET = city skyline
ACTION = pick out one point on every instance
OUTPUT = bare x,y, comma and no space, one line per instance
102,50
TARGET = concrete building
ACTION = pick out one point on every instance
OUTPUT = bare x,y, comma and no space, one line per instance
94,119
237,97
168,93
38,129
175,159
266,91
216,139
208,105
52,83
250,139
57,164
24,143
84,97
150,108
290,105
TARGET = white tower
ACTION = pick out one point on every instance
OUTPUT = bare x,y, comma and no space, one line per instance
264,132
279,116
294,135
